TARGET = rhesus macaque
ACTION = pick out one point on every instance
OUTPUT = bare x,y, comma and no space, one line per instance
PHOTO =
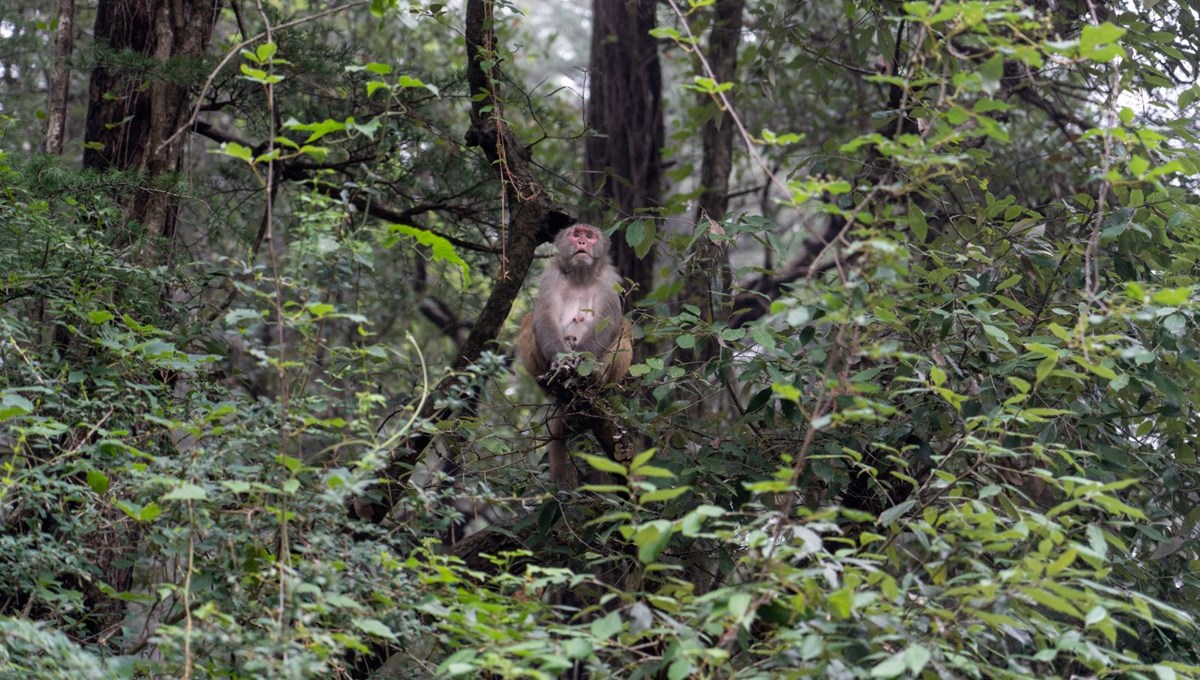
578,309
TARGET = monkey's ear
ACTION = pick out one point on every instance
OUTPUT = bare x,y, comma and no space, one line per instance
554,222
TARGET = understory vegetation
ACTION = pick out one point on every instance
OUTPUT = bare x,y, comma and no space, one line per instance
914,295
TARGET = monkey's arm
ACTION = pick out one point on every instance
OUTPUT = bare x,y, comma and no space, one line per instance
622,355
547,334
527,349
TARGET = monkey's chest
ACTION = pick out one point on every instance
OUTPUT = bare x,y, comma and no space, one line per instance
577,313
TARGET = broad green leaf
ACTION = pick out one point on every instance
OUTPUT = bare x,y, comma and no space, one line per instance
374,627
841,601
1099,42
1172,297
661,495
186,492
606,627
642,458
916,657
97,481
889,516
651,538
604,464
739,604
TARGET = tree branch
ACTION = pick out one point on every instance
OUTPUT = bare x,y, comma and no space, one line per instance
301,171
534,220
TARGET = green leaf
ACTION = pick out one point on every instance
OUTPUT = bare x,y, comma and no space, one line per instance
1098,43
577,648
1008,283
375,628
1044,367
763,337
1138,166
661,495
1096,540
1052,601
889,516
604,464
642,458
916,658
604,628
651,539
784,391
319,309
100,316
98,481
842,603
635,233
13,404
1102,371
937,375
236,151
265,51
990,73
1172,297
149,513
739,604
186,492
655,471
317,130
409,81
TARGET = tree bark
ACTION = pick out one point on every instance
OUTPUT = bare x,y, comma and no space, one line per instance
132,111
60,85
623,159
535,220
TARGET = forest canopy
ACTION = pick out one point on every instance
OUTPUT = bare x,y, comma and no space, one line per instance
912,289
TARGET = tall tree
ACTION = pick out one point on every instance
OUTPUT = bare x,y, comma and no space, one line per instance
708,261
139,96
56,112
623,159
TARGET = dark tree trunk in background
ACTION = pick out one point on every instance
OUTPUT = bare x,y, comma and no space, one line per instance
134,110
60,86
623,161
708,262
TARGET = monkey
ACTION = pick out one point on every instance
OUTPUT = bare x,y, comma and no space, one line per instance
577,310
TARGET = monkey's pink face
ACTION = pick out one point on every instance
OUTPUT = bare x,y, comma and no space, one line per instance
582,243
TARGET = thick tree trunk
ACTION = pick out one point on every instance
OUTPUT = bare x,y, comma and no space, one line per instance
60,86
623,160
708,264
133,111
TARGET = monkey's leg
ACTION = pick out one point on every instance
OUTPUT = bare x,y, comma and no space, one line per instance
562,471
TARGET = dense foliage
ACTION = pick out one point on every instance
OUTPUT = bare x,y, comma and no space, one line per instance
932,415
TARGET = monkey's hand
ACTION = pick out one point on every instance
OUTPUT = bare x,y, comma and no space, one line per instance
566,362
563,379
